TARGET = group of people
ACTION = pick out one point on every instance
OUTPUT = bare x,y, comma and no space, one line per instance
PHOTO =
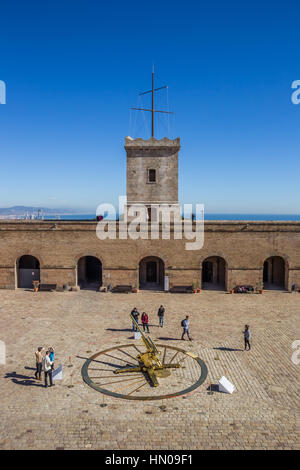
145,318
45,363
161,321
184,324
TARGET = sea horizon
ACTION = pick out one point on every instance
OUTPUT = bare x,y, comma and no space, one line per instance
207,216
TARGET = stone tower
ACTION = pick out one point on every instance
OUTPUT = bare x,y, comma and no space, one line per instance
152,172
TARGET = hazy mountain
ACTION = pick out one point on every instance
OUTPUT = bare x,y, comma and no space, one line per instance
22,210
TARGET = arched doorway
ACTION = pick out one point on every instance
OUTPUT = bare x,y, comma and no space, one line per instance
89,273
214,273
151,273
274,273
28,270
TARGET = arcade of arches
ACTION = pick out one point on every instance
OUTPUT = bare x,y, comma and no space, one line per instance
70,253
152,273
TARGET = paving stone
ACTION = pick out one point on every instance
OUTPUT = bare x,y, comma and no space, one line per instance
263,412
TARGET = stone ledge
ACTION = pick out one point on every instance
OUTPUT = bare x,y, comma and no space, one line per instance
151,143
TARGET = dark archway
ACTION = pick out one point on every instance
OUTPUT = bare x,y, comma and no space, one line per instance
274,273
214,273
28,270
89,273
151,273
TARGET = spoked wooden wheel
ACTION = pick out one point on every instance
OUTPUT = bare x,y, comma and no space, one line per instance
99,372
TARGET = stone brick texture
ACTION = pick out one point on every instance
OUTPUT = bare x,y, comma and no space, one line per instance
160,155
58,246
262,413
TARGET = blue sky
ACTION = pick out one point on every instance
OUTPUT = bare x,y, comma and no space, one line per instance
73,69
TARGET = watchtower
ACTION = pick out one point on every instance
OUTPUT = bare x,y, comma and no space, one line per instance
152,167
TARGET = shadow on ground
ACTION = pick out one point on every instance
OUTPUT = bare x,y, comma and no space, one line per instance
22,379
167,338
213,388
118,329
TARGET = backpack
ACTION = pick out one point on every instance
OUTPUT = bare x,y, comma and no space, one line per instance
182,323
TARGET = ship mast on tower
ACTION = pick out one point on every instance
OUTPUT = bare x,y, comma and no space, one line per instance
152,110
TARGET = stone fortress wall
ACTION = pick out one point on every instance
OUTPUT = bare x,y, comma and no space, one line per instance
243,247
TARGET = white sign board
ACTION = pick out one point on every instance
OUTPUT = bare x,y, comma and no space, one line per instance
57,373
225,386
166,283
2,353
137,335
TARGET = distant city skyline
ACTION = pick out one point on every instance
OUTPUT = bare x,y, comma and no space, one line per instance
41,212
71,75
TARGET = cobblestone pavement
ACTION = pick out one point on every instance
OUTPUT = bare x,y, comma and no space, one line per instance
263,412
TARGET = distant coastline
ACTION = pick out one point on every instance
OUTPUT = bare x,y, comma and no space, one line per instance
208,216
44,213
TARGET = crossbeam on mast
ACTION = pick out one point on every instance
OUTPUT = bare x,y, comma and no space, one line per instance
152,110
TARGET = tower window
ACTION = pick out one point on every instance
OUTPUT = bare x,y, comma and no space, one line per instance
151,176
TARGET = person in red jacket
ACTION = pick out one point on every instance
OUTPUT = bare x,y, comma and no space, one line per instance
145,321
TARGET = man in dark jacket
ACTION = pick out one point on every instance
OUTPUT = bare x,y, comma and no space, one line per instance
161,315
135,314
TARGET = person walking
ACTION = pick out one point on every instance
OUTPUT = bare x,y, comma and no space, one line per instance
247,336
47,369
161,315
185,326
145,321
39,362
135,314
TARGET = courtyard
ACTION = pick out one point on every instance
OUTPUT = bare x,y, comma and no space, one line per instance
262,413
